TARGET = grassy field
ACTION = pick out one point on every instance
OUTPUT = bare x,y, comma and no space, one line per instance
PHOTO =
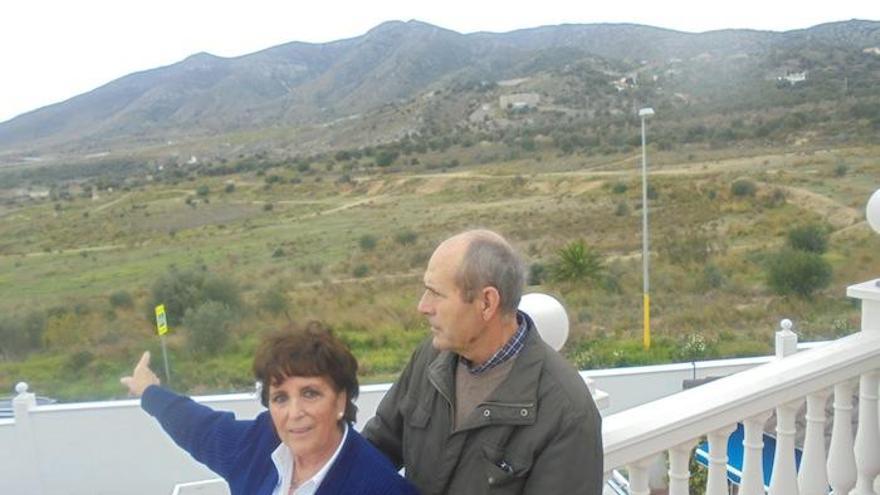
303,235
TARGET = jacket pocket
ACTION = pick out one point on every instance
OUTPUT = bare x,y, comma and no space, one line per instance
504,473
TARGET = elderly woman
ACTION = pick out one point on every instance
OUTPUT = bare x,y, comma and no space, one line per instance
304,445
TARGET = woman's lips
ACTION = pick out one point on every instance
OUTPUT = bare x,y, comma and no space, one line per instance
299,431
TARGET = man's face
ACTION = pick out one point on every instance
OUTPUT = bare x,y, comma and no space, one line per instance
456,325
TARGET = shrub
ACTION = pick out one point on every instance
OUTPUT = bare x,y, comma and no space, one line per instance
406,237
811,238
537,273
203,190
77,361
361,271
367,242
121,299
208,327
798,272
19,336
223,290
692,348
619,188
622,209
274,301
689,246
743,187
385,158
577,262
230,188
182,290
775,199
713,277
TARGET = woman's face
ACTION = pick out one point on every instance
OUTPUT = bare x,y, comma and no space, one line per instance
306,412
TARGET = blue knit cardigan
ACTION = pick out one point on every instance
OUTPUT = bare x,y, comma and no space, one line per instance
240,451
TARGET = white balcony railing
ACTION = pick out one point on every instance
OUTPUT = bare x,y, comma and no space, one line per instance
673,425
112,446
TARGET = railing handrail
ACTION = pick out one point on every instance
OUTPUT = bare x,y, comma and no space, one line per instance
642,431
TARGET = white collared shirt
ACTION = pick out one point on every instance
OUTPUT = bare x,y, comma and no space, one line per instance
284,465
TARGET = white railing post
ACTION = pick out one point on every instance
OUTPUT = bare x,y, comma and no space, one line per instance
25,445
869,293
812,478
786,340
717,483
783,481
679,457
638,476
753,449
867,446
841,458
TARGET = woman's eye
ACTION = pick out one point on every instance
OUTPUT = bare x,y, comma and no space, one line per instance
278,399
311,393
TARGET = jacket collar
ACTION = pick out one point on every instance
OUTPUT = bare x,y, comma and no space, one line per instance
519,388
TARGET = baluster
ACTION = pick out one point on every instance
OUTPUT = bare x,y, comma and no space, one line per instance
717,484
841,457
678,468
753,450
638,476
784,478
812,478
867,446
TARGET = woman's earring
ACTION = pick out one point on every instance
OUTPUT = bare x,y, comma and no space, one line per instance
340,415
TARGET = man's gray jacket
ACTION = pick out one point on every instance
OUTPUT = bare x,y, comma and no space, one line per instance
538,433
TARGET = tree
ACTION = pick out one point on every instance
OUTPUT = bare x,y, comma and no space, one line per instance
182,290
577,262
798,272
386,158
208,327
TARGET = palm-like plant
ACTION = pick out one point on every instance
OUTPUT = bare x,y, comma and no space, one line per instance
577,262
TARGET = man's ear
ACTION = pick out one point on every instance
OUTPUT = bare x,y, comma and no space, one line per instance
490,299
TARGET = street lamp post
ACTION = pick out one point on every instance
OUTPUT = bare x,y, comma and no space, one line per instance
644,113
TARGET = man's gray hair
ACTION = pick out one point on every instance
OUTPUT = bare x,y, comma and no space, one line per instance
490,261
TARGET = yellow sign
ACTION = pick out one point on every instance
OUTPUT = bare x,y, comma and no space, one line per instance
161,321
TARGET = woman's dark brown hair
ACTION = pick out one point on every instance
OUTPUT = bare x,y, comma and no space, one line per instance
309,351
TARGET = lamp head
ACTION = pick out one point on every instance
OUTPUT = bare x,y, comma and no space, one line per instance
872,211
646,112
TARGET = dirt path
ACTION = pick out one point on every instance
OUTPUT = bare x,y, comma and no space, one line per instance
88,249
361,280
838,215
111,203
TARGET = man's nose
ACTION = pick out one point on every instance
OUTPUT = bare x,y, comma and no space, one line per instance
424,307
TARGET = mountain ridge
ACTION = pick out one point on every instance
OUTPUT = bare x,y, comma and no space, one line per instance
299,84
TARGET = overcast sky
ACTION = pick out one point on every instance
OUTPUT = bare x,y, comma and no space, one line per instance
51,50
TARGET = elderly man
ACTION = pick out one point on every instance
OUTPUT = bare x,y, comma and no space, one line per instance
484,405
